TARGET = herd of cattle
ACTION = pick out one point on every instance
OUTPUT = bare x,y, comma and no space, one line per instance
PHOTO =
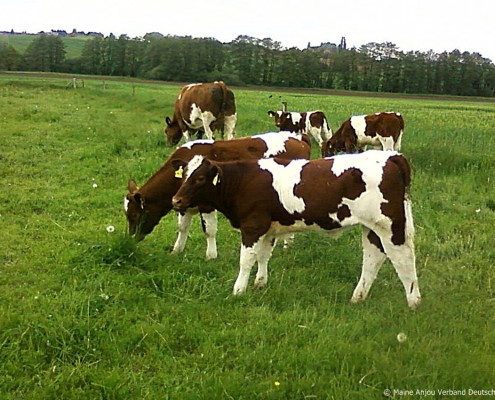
268,188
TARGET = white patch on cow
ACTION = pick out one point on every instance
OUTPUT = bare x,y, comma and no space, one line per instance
126,204
295,117
200,119
285,179
275,142
358,122
368,205
190,144
193,165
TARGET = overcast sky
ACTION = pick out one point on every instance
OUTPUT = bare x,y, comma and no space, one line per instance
440,25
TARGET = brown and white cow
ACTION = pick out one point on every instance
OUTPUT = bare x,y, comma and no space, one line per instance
146,206
270,198
202,107
381,130
312,123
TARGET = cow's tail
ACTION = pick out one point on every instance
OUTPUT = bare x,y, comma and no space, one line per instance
223,88
405,170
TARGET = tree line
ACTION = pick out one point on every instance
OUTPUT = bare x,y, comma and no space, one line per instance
377,67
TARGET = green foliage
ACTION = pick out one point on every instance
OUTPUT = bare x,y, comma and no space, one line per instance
45,53
375,67
88,313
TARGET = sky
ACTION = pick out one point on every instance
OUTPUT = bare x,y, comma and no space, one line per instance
438,25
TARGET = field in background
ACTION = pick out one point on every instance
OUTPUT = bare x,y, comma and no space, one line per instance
85,313
73,44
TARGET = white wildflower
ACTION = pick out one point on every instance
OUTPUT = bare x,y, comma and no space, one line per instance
110,228
401,337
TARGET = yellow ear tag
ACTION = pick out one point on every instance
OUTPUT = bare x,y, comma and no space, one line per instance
215,180
179,172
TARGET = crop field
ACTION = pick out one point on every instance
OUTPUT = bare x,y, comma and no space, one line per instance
87,313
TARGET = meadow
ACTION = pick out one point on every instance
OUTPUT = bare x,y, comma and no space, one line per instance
73,44
87,313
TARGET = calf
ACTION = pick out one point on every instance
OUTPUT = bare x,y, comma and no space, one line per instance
369,189
145,206
312,123
381,130
202,107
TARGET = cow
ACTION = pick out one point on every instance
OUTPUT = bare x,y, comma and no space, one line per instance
312,123
145,206
268,198
380,130
202,107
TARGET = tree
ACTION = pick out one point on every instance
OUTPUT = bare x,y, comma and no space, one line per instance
10,59
45,53
92,56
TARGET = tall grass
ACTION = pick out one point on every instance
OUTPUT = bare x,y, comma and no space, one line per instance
87,313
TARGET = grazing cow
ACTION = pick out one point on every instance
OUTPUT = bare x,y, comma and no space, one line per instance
145,206
312,123
381,130
202,107
270,198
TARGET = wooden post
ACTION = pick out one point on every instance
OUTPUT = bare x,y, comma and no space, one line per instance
74,83
284,106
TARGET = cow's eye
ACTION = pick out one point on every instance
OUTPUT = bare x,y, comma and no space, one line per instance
200,180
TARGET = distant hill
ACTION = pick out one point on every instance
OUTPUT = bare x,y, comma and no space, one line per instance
20,42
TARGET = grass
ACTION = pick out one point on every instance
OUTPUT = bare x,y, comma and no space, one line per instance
73,45
85,313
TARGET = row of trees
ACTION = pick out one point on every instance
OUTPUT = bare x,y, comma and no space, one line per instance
380,67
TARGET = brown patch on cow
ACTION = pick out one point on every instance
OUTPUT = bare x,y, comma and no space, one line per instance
317,177
375,240
343,212
394,187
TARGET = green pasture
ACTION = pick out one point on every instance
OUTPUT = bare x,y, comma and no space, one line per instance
88,314
73,44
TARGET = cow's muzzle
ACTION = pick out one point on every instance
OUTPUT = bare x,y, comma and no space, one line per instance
178,203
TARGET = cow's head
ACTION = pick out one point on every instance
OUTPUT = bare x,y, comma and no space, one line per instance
332,146
200,179
277,115
141,218
172,131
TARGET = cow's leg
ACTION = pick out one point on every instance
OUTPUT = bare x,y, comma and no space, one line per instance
398,143
208,119
386,142
263,255
252,241
404,261
373,258
316,133
186,135
209,222
246,262
229,126
184,222
403,258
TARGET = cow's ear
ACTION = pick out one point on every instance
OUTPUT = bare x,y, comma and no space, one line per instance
132,187
178,166
168,121
214,174
271,113
139,199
